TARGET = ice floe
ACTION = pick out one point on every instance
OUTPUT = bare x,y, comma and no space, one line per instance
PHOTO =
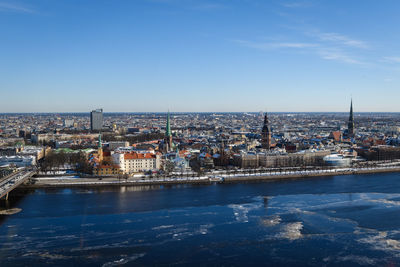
291,231
271,220
123,260
382,240
240,211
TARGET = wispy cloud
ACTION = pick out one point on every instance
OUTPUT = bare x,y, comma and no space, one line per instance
342,40
320,49
276,45
392,59
14,7
338,55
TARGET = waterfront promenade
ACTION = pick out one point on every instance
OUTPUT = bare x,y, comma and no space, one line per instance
219,177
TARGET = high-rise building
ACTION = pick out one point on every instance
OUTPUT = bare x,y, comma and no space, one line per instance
266,134
68,123
168,136
96,120
350,125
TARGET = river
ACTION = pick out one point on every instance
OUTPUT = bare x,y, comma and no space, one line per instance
332,221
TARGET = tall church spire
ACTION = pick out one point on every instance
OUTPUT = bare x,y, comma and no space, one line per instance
266,133
168,127
168,136
99,145
350,126
100,149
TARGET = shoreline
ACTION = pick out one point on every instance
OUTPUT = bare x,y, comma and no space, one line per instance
96,182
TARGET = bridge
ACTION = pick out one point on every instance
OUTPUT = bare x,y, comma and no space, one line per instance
12,181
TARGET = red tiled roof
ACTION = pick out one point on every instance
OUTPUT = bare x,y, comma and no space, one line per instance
336,135
139,156
182,153
380,142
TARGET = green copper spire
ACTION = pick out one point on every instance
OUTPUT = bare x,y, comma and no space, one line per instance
99,146
168,128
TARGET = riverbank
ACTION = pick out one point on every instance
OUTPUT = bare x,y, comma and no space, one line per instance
70,181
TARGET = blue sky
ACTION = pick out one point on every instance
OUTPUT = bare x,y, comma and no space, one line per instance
199,55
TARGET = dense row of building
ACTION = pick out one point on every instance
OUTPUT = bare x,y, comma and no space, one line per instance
151,142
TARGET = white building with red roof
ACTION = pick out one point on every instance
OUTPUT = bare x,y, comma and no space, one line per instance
134,162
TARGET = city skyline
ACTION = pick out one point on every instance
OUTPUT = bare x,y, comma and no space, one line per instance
199,56
199,132
199,112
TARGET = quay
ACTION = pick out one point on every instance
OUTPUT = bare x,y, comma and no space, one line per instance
43,182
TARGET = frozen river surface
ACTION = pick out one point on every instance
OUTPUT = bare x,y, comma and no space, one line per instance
341,221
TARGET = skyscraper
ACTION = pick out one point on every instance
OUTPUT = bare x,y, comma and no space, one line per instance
266,134
350,125
96,120
168,136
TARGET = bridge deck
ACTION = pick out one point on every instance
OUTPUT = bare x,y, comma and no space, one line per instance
13,181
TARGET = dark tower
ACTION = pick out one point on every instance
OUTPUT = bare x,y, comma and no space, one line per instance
266,134
168,136
350,125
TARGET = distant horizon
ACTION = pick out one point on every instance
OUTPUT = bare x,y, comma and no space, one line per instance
202,112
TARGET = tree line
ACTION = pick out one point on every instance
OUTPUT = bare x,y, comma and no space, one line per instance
55,161
134,139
